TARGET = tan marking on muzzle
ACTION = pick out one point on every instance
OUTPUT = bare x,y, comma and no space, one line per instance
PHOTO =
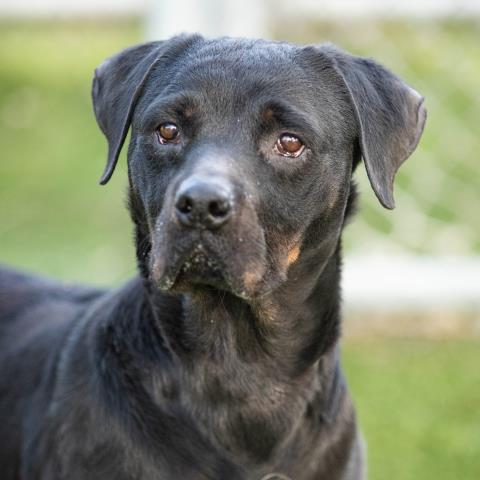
293,254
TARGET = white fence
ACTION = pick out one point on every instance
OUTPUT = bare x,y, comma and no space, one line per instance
412,282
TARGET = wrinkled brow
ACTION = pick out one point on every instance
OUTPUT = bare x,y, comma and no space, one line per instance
276,112
175,106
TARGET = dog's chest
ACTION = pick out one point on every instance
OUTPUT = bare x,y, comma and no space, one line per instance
241,410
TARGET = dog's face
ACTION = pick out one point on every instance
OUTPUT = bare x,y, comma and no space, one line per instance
234,158
242,151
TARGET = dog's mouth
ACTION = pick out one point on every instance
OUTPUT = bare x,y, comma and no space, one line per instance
184,262
197,267
200,268
232,258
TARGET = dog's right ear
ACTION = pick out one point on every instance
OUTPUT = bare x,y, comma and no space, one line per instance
118,84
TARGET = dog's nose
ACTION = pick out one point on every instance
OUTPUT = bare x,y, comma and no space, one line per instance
204,203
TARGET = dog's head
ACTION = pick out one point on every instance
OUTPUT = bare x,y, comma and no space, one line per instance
242,151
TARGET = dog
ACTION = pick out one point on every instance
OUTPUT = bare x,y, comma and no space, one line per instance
220,360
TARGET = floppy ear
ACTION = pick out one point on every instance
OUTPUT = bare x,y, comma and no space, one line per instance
390,116
118,84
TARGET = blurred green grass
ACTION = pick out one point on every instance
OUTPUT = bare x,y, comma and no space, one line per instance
55,218
418,401
419,405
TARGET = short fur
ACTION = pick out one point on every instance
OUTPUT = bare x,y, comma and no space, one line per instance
221,359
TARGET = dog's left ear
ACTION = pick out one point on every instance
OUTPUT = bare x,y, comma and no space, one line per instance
118,84
389,113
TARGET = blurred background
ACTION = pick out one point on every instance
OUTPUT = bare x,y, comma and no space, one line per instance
412,275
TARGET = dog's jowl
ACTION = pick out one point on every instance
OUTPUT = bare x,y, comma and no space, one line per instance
220,360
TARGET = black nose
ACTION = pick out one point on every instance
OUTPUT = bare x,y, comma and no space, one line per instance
204,203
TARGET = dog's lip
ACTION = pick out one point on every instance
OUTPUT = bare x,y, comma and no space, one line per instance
184,270
198,263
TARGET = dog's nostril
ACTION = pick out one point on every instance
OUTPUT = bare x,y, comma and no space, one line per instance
204,203
219,208
185,204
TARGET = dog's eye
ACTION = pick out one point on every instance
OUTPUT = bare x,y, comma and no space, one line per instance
168,133
289,145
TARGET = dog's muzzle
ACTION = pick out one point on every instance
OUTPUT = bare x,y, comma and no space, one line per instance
207,233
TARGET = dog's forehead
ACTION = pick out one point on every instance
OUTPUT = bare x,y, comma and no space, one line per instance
242,52
243,49
226,82
237,64
231,75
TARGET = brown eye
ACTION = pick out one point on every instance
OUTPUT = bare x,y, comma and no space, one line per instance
168,132
289,145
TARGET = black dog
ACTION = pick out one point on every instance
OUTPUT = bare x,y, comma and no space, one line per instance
220,361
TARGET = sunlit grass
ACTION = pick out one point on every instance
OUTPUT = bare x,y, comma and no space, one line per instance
419,405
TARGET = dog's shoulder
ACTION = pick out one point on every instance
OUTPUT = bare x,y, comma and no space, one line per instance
21,294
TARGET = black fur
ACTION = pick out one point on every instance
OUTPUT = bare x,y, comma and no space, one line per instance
220,360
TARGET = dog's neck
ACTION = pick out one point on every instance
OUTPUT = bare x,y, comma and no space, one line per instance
246,365
289,328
